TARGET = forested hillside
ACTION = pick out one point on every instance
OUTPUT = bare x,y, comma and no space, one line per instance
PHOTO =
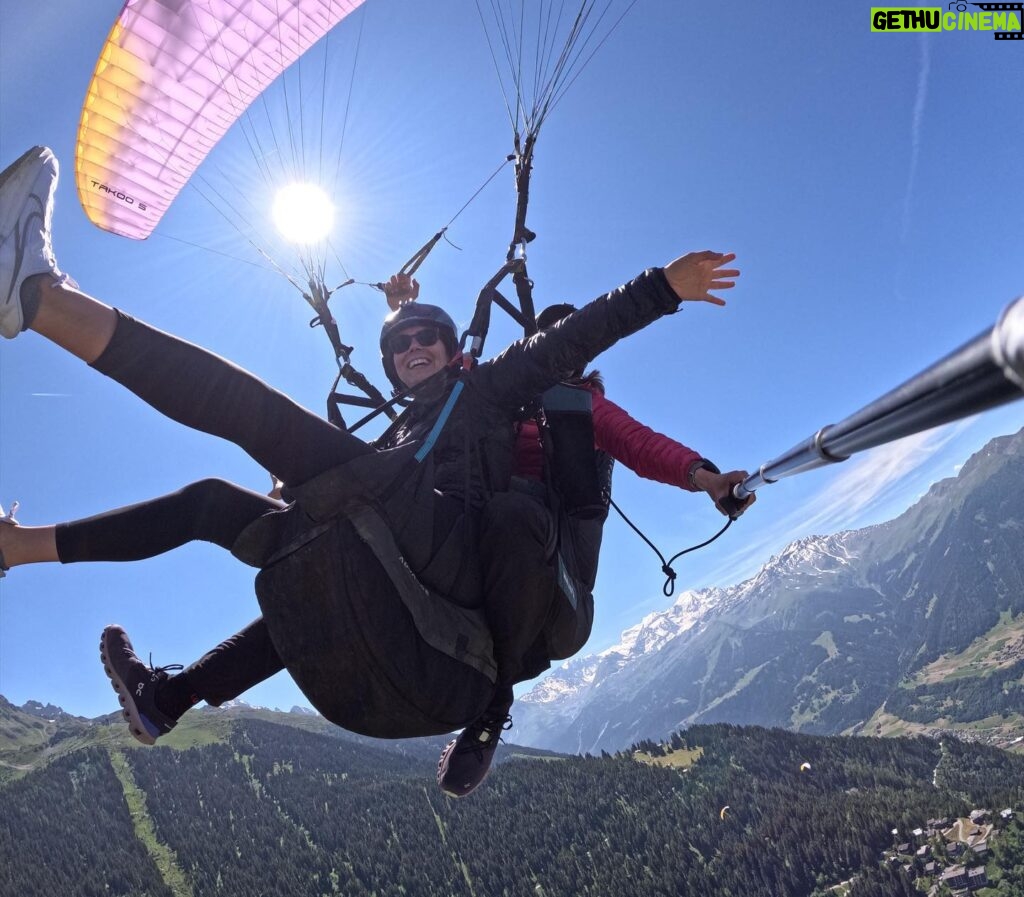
275,810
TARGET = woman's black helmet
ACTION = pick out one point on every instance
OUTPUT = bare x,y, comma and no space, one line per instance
415,313
553,314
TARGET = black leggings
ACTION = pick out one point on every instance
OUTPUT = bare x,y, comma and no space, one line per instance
519,587
205,392
208,510
208,393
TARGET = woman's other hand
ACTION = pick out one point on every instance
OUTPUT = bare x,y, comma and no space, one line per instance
693,276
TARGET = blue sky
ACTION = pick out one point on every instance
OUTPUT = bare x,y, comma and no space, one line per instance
869,184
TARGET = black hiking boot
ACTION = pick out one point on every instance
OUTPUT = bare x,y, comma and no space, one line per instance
465,762
136,685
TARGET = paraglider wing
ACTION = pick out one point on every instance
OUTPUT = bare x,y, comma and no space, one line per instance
723,811
171,79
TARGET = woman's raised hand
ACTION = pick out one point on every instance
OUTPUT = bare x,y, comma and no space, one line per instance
401,288
693,276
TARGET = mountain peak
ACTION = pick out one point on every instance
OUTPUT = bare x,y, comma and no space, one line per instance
810,558
813,554
821,635
43,711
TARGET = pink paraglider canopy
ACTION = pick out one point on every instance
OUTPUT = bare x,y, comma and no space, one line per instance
172,78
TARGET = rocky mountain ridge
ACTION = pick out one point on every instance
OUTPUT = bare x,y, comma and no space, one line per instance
820,637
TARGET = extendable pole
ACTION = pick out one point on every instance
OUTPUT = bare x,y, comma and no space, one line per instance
984,373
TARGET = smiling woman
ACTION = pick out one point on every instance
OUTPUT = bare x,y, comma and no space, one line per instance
416,341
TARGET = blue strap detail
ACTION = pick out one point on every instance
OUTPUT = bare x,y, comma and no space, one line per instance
442,419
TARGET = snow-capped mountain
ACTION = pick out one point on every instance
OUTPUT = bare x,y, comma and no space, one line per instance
819,638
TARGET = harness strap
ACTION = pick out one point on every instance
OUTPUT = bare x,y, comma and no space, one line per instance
417,259
318,296
459,632
442,419
515,264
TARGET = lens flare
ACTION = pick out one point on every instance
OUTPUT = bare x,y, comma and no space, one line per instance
303,213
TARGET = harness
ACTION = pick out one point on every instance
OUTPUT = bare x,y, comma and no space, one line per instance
578,477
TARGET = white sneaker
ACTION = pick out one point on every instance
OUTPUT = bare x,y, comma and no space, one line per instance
10,521
26,209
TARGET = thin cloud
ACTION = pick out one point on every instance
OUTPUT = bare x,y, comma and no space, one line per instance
915,132
881,480
869,487
860,489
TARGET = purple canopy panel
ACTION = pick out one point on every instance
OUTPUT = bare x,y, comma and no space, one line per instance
173,76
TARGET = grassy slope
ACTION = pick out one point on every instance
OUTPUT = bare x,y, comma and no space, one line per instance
997,649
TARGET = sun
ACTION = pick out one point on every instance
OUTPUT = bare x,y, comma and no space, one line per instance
303,213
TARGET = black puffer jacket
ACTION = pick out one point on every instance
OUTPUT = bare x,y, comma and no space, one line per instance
495,390
371,583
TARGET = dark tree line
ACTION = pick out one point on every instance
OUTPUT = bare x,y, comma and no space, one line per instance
962,700
279,811
67,830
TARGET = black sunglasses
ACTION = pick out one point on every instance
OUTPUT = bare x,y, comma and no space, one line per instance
401,342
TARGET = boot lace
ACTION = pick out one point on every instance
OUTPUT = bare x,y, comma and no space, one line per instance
170,668
491,726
